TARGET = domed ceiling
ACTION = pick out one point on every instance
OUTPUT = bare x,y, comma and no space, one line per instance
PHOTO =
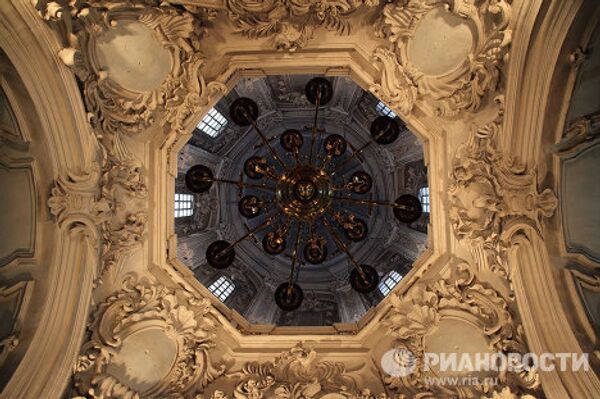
223,147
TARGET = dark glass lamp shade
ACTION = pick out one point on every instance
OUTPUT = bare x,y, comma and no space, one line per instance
364,283
220,254
253,165
361,182
273,243
243,111
384,130
335,145
319,88
199,179
315,252
250,206
289,298
357,231
409,210
291,140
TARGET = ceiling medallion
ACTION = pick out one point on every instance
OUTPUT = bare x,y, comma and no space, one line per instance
304,195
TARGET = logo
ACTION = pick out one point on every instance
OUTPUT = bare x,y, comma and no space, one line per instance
399,362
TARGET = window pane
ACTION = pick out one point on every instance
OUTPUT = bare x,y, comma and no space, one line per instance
384,110
388,283
213,123
184,205
222,288
424,198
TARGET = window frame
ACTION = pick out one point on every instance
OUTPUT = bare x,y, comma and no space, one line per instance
213,123
222,288
384,110
180,210
392,276
425,204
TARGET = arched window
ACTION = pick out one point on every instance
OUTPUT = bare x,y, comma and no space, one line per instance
384,110
213,123
424,198
388,283
222,288
184,205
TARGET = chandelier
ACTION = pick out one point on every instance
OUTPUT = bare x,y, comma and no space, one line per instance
304,195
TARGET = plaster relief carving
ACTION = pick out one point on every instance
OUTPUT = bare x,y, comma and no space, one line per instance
396,87
187,320
506,393
111,107
73,200
580,132
489,192
295,374
110,204
462,87
291,24
460,297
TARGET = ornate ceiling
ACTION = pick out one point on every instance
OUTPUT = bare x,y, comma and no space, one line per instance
397,169
99,284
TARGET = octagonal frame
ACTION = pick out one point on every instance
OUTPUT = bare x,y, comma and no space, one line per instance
329,63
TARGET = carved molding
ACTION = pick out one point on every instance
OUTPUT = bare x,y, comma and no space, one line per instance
292,24
507,393
461,296
294,374
489,193
401,83
112,108
110,203
186,319
579,133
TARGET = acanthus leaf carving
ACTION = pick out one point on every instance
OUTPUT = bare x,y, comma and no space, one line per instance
187,320
109,203
396,87
113,109
294,374
459,296
450,93
488,192
292,24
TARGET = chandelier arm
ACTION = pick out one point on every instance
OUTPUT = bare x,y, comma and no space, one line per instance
251,232
265,141
343,247
326,161
313,136
296,157
355,153
374,202
294,258
344,187
242,184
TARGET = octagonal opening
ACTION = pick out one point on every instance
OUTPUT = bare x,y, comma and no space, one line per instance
294,222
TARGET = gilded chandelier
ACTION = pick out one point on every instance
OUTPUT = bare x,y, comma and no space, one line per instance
303,196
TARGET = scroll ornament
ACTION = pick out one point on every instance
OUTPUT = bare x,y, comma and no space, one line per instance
402,83
292,24
489,192
186,319
460,296
111,108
